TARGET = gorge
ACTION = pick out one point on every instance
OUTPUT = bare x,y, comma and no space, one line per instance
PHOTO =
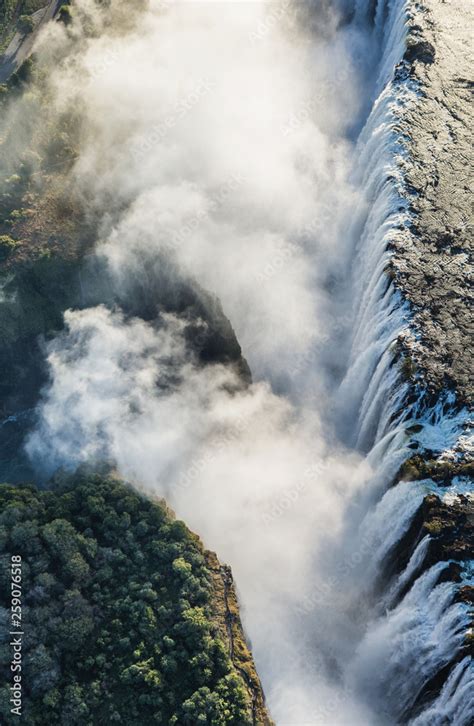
237,278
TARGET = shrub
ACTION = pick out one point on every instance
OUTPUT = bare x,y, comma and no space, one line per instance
7,245
26,23
408,368
65,14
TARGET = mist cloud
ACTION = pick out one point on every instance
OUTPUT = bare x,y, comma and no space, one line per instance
244,468
188,102
215,136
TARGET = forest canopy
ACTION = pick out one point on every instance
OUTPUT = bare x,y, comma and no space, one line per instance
117,619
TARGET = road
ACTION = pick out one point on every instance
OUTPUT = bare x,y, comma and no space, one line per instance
22,44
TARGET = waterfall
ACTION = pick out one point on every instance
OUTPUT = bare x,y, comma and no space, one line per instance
295,483
407,642
414,564
403,650
455,703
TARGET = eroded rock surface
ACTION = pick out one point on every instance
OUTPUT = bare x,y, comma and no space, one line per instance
432,263
431,266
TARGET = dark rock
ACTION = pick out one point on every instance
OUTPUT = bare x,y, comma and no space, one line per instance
422,51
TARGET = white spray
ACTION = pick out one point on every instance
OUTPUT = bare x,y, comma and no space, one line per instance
223,131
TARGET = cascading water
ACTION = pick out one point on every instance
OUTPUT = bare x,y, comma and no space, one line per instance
413,638
339,638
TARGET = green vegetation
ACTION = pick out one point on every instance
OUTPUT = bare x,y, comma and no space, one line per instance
31,6
117,612
37,202
65,14
225,611
17,16
7,11
7,245
26,23
434,527
442,472
408,368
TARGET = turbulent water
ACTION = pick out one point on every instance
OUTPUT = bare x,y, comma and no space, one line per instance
252,148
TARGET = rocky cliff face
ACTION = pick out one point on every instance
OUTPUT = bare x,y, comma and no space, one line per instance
432,264
227,616
430,268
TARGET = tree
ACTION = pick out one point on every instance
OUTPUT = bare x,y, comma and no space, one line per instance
118,595
26,23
